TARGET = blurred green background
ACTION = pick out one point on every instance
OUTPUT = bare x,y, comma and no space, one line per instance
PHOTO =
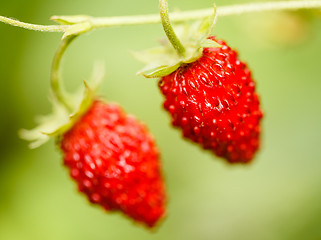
276,197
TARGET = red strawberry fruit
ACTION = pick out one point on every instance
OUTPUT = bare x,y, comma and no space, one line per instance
115,162
213,100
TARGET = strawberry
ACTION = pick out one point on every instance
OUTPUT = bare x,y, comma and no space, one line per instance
115,162
213,101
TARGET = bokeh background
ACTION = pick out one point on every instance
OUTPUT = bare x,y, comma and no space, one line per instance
278,196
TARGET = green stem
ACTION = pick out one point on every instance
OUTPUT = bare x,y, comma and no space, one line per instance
163,7
35,27
55,76
104,22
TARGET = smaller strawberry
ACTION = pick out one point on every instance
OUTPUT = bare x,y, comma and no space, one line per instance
111,155
115,163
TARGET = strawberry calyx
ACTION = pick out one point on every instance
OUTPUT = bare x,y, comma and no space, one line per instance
163,60
61,119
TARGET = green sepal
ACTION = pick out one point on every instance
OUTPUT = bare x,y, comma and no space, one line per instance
78,29
69,20
78,24
163,60
208,43
46,125
207,26
160,71
60,120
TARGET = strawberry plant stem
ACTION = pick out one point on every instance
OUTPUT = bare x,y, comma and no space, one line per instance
104,22
55,76
163,7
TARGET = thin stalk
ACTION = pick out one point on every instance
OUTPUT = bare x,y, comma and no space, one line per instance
55,76
176,43
104,22
35,27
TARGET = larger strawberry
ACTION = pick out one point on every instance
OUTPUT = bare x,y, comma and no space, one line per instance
213,101
208,91
115,162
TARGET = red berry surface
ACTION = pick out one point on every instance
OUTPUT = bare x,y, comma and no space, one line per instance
115,162
213,100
